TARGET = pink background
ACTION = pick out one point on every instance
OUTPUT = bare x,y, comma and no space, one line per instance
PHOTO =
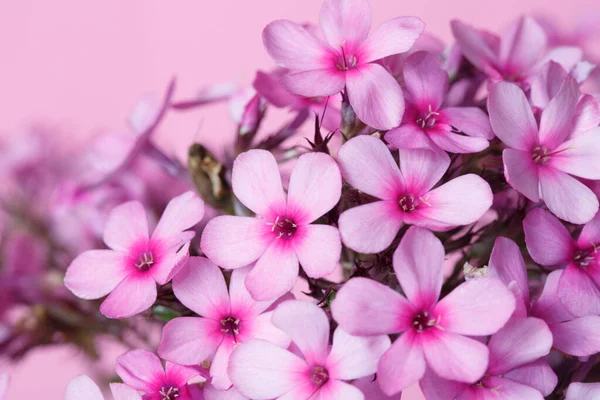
82,64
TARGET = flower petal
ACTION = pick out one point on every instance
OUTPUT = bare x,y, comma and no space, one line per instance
546,84
578,292
583,391
587,115
126,225
461,313
408,136
471,121
335,389
548,241
314,83
365,307
456,143
548,307
315,187
345,21
507,264
473,44
96,273
578,337
436,388
121,391
523,43
579,156
507,389
190,340
219,365
511,116
134,294
274,274
318,248
521,173
375,96
139,369
395,36
590,235
234,242
182,213
422,169
402,365
426,82
82,387
556,123
538,375
262,328
240,300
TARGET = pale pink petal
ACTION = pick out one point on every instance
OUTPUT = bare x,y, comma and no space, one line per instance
302,391
556,123
578,337
262,327
181,374
511,116
507,264
366,307
212,393
95,273
367,164
318,248
579,156
469,120
256,182
548,241
425,81
422,169
461,201
507,389
5,382
523,43
255,362
546,84
200,286
418,263
219,365
375,96
371,390
457,143
313,83
139,369
121,391
455,357
182,213
566,197
548,307
538,375
335,389
352,357
522,173
234,242
293,47
345,21
408,136
240,300
460,313
134,294
402,365
590,235
171,262
473,44
370,228
578,292
436,388
520,341
308,327
395,36
274,274
587,115
80,388
126,225
583,391
566,56
269,87
315,187
190,340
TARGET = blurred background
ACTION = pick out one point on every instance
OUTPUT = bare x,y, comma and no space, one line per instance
78,68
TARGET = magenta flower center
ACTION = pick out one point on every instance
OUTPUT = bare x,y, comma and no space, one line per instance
320,375
583,258
424,320
346,61
409,202
427,120
284,227
145,261
540,155
171,393
230,326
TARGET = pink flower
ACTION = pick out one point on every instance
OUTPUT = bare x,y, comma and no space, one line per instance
83,388
281,235
516,55
516,368
427,121
540,162
405,194
434,333
583,391
227,319
143,371
261,370
346,59
135,262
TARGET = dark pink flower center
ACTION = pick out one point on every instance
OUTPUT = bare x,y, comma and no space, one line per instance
427,120
583,258
408,202
284,227
320,375
145,261
424,320
169,393
231,326
346,61
540,155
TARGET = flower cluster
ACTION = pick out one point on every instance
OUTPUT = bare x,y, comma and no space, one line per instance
443,233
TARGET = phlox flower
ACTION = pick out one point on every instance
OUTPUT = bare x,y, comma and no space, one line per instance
261,370
516,55
346,58
541,162
83,388
134,263
227,319
404,194
515,353
428,122
281,236
570,334
435,333
583,391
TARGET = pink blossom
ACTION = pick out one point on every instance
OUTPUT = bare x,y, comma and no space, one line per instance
516,55
227,319
583,391
281,236
261,370
4,383
83,388
346,58
541,163
435,333
405,194
133,265
427,121
143,371
516,368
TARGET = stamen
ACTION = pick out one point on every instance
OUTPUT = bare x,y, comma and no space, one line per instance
145,261
171,394
320,376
